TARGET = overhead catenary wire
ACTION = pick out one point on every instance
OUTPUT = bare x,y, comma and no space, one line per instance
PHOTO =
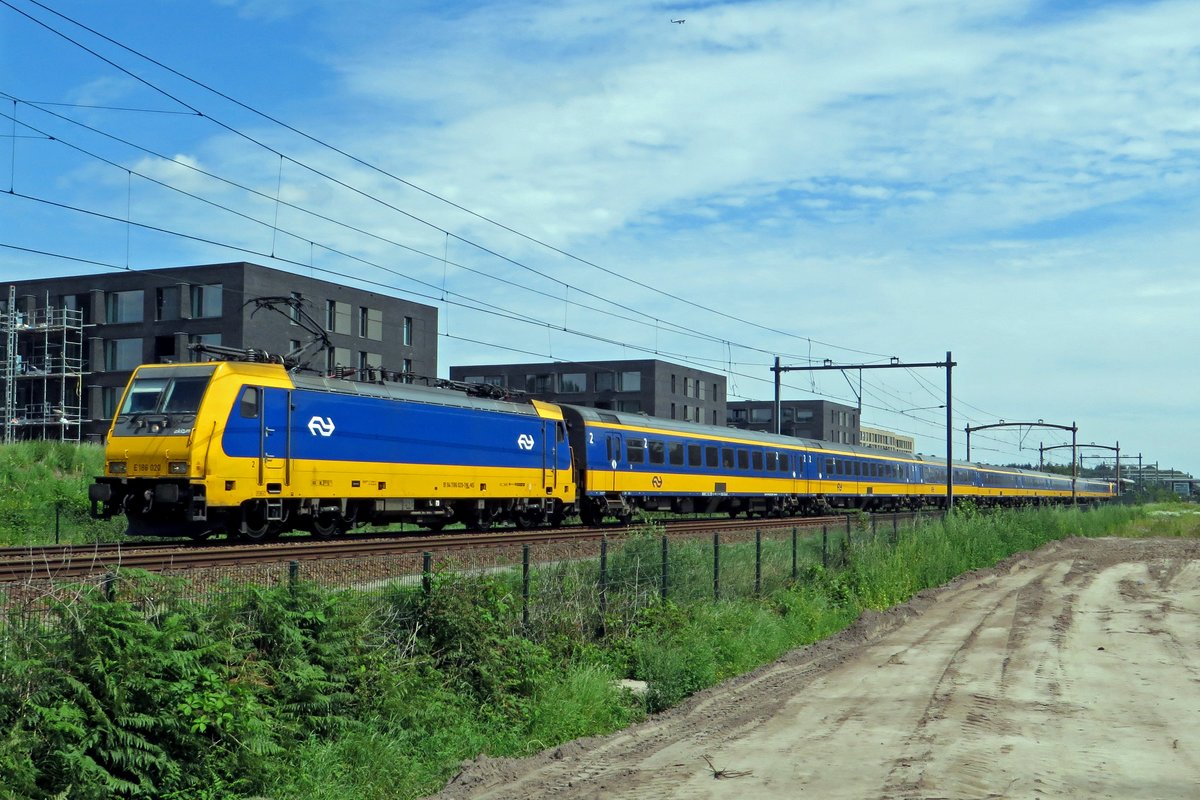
649,318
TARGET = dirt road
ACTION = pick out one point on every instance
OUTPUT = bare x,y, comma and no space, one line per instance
1073,671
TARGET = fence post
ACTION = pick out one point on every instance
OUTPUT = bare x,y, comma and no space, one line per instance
293,575
847,525
895,528
57,517
874,528
427,573
716,566
757,562
110,586
825,546
666,562
601,630
795,544
525,585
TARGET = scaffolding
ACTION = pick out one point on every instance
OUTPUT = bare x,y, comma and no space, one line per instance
43,370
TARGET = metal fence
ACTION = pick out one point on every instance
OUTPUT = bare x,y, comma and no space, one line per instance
576,588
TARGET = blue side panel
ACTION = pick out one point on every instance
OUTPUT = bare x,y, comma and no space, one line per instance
333,427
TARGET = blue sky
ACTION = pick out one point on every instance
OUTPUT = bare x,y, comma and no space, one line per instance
1015,182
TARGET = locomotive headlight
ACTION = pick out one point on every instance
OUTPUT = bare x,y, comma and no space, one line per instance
177,468
116,467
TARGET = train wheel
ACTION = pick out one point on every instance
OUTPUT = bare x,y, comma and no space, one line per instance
327,523
255,526
590,513
529,518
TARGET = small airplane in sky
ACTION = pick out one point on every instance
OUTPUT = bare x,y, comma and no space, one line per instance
679,21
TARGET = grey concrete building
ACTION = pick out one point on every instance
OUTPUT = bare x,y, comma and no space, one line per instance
807,419
656,388
69,344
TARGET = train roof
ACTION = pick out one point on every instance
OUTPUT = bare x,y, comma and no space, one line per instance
685,428
414,393
388,390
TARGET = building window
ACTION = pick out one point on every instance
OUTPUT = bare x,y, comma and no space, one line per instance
572,382
164,350
700,390
337,317
122,354
406,367
539,384
605,381
108,401
761,415
123,306
337,357
630,382
406,332
687,387
370,323
166,303
294,311
629,406
673,389
293,346
206,301
490,380
368,361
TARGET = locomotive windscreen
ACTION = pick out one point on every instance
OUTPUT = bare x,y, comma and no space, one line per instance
160,400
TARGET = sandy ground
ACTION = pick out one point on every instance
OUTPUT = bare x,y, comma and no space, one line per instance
1073,671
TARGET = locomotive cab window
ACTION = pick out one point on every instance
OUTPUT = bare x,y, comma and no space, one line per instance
248,407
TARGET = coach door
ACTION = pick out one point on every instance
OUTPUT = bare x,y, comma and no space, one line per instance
615,450
550,446
275,437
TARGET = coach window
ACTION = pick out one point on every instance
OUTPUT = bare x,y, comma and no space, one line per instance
248,407
658,453
675,453
783,462
858,468
829,466
772,461
726,458
710,457
757,459
635,451
695,457
743,459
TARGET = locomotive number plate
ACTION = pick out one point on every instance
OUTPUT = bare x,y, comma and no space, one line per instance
146,469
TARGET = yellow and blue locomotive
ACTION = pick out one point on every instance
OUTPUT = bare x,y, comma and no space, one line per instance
251,449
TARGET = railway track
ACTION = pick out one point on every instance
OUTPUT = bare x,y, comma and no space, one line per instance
67,562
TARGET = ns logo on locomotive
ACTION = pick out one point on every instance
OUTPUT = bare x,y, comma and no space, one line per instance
253,450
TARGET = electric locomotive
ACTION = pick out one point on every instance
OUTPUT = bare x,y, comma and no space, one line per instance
253,450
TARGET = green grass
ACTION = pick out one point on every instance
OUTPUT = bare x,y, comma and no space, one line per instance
44,484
